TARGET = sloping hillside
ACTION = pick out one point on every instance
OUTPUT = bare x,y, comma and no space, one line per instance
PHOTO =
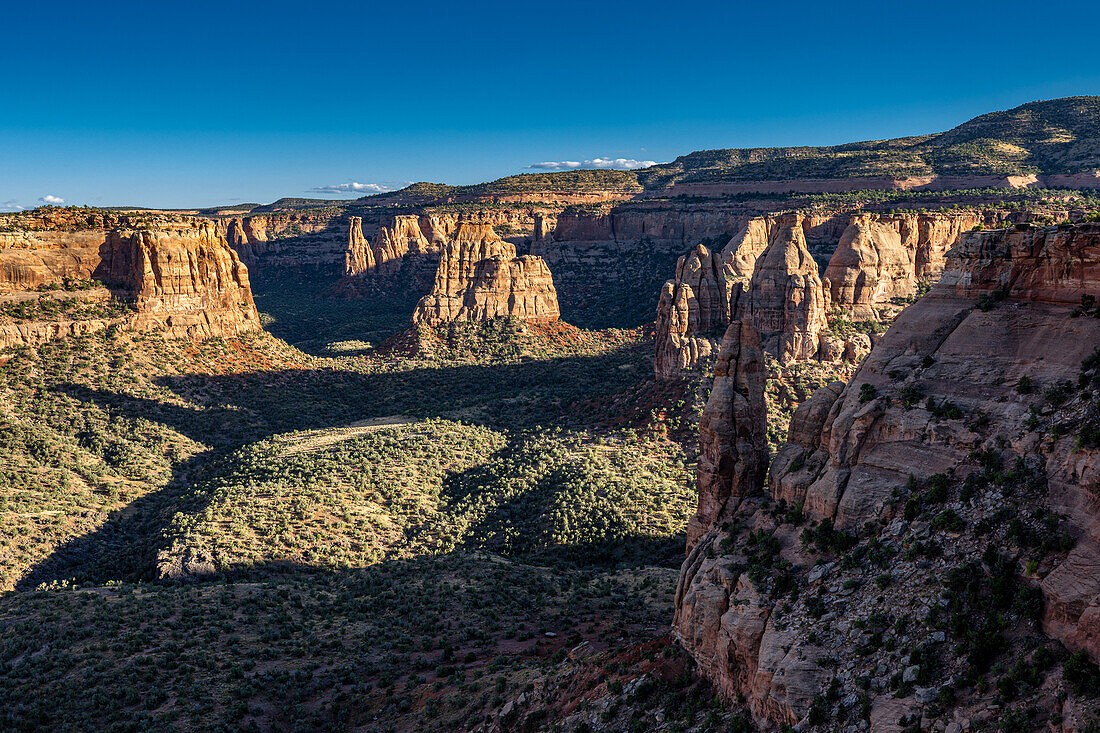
1056,136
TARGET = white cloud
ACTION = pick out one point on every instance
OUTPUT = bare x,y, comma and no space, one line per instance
620,164
353,187
9,206
51,199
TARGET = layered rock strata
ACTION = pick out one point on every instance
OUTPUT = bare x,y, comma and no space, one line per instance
786,299
359,257
182,278
409,236
480,278
315,238
693,307
186,281
883,257
964,390
733,454
740,254
878,262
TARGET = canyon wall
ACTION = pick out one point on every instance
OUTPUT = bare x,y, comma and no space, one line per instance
1089,179
875,263
978,405
884,256
692,308
733,454
185,281
311,238
479,278
415,235
785,299
179,277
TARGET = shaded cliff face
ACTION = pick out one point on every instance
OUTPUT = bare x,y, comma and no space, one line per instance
733,455
786,300
182,278
881,257
312,238
480,278
692,308
940,471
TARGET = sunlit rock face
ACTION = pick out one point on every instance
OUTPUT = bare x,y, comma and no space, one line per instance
181,277
884,256
480,278
785,301
693,308
938,395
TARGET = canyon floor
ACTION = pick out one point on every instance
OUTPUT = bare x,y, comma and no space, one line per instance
338,536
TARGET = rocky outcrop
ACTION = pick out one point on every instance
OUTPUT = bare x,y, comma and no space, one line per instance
359,257
35,333
869,267
407,236
881,257
692,309
185,281
936,233
1056,265
733,453
398,237
33,259
769,259
544,227
872,445
964,390
480,278
295,239
786,300
740,254
181,278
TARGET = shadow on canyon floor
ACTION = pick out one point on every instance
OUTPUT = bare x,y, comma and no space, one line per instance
298,648
227,412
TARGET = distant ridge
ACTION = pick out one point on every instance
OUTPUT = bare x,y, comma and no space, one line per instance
1058,137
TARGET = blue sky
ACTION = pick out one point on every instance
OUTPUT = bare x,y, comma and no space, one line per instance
189,104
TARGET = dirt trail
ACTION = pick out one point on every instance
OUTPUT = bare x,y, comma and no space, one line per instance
315,439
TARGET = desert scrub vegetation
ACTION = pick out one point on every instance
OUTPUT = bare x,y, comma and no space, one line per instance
790,385
437,486
125,415
387,535
46,307
443,638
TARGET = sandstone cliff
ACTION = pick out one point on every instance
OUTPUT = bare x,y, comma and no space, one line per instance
692,309
359,257
178,277
186,281
740,254
426,235
785,301
880,257
978,406
733,455
479,278
312,238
